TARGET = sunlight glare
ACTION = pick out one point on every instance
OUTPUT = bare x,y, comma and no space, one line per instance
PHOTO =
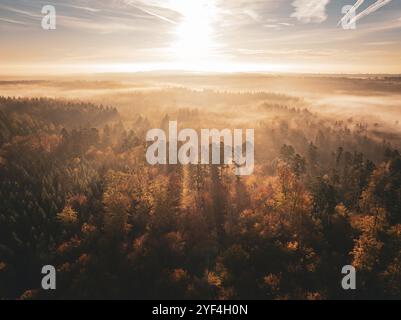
194,34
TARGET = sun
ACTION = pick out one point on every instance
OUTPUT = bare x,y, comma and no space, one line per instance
194,41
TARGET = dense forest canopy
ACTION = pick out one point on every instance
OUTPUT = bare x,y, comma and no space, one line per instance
76,192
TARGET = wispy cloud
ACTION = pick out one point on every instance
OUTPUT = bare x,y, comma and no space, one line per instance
19,11
103,27
310,11
12,21
278,25
289,52
380,43
85,8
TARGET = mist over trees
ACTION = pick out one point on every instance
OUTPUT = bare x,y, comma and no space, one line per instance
76,192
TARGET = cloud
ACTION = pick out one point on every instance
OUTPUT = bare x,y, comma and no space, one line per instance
287,52
380,43
20,12
310,11
12,21
89,9
279,25
106,26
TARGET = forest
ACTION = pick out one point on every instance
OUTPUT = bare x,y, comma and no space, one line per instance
77,193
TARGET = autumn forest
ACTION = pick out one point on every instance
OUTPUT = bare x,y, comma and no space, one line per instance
77,193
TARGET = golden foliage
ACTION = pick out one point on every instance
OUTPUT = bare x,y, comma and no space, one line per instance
68,216
366,252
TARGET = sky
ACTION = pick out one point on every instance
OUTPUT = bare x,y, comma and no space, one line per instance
201,35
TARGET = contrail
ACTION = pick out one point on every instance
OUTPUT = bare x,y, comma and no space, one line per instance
372,8
155,15
81,8
132,4
351,11
12,21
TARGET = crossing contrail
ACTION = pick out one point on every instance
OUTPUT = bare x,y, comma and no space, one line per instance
351,11
372,8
